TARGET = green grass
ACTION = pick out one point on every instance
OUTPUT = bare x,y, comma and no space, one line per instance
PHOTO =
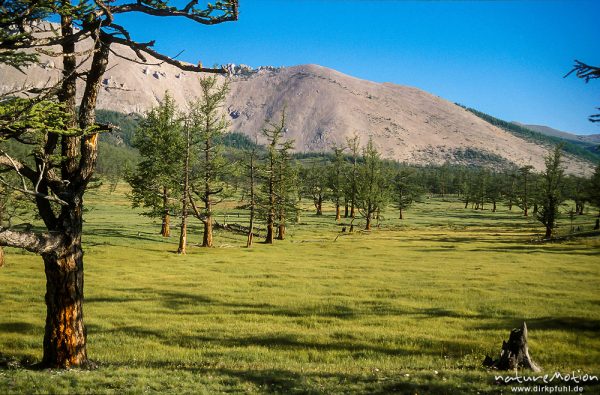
411,307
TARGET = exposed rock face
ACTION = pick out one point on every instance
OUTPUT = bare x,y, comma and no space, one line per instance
323,107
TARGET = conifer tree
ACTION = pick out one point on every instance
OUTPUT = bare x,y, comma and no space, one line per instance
156,179
372,192
551,191
208,125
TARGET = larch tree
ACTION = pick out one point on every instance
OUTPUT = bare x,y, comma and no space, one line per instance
336,179
352,183
65,143
273,132
593,192
155,181
286,188
208,125
372,192
252,174
405,190
525,188
551,191
315,185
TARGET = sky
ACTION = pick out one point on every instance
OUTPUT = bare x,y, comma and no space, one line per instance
505,58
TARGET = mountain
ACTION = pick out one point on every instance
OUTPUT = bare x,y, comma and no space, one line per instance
548,131
323,107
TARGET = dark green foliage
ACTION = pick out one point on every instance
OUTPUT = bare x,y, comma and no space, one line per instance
210,167
239,141
315,185
372,189
582,150
405,189
126,127
160,143
551,193
472,157
593,191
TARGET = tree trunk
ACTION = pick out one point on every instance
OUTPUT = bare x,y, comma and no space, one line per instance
514,354
269,238
207,239
368,226
281,232
319,205
494,207
166,219
337,212
352,210
184,199
1,256
548,234
346,210
65,334
401,217
466,203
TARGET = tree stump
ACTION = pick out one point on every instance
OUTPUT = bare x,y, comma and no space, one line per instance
514,354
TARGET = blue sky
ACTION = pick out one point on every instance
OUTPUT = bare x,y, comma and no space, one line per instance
506,58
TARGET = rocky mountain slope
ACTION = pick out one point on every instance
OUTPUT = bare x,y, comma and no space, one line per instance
323,107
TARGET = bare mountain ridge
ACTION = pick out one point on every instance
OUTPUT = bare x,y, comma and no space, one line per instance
323,107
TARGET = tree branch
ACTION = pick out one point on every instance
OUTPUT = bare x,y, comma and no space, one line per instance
584,71
230,12
138,48
38,243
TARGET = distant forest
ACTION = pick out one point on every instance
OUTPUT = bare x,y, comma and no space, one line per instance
117,155
579,149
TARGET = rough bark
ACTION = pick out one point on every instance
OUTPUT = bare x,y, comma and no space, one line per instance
271,213
548,234
65,333
207,239
252,202
319,205
184,199
281,232
514,353
166,218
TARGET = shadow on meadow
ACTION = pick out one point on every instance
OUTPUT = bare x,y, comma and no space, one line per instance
569,324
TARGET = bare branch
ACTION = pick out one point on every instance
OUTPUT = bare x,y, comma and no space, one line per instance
230,13
35,194
21,169
144,47
38,243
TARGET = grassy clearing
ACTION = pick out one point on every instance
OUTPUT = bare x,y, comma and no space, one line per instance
411,307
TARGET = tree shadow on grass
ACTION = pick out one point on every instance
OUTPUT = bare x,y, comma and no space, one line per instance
19,327
546,323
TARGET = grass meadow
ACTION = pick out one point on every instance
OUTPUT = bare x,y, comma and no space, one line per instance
411,307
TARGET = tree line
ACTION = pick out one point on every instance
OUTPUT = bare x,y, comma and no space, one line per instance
186,169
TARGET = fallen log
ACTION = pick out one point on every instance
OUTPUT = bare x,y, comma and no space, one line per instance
514,353
235,228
